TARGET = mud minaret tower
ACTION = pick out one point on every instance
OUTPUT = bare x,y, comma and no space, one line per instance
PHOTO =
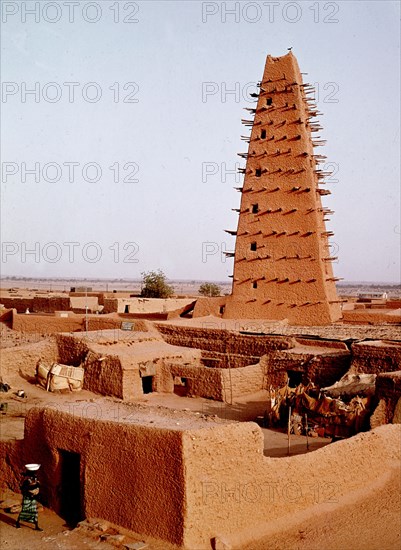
282,265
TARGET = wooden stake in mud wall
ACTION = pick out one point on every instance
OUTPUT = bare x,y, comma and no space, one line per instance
306,431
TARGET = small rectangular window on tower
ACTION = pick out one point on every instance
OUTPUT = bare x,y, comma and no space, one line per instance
263,134
253,247
255,208
255,284
269,101
258,172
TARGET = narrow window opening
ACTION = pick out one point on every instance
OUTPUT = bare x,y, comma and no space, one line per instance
126,309
253,247
269,101
258,172
255,284
263,134
255,208
222,309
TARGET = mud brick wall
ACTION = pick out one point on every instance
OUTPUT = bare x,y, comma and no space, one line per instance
388,392
71,351
224,341
327,369
51,304
376,317
214,359
110,305
388,385
376,357
23,359
100,296
46,324
104,377
20,304
201,381
322,370
210,306
145,470
241,381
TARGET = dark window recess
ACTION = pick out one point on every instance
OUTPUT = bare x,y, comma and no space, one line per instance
255,208
263,134
126,309
269,101
258,172
222,309
255,284
253,247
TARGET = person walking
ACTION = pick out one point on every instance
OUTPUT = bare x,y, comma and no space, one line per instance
30,489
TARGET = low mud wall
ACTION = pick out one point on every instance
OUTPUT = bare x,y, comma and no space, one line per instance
375,357
223,341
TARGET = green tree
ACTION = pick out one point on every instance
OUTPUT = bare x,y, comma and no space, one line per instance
209,289
154,285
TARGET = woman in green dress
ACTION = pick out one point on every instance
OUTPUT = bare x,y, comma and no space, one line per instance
30,490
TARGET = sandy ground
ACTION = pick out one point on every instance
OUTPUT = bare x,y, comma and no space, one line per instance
57,535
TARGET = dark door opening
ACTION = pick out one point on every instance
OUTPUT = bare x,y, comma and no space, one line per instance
147,384
180,386
295,378
126,309
70,495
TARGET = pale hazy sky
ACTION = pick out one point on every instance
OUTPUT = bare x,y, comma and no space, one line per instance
140,91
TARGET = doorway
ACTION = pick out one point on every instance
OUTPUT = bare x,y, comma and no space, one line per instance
147,384
295,378
180,386
70,494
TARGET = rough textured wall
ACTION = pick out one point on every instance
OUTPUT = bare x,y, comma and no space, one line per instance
20,304
71,351
210,306
376,357
376,317
103,374
282,263
139,486
37,304
46,324
201,381
321,368
110,305
223,341
233,492
51,304
23,359
388,392
11,464
241,381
